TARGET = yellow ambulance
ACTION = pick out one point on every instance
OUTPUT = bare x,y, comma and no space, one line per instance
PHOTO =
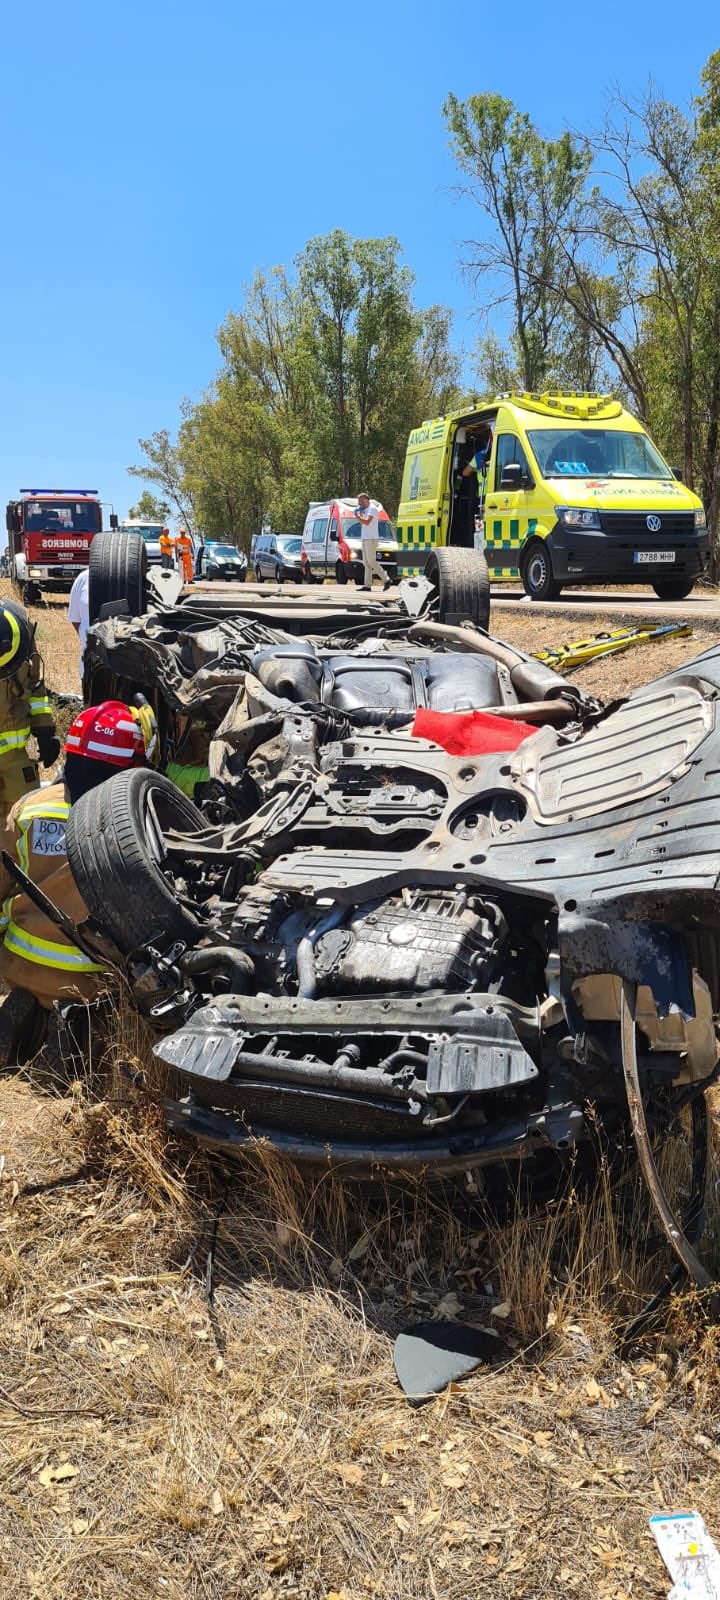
558,489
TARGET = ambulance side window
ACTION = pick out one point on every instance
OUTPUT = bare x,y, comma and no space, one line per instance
319,530
507,450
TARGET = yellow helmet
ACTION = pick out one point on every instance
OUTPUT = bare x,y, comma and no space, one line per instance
16,637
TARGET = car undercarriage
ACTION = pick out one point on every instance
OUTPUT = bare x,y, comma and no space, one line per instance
374,953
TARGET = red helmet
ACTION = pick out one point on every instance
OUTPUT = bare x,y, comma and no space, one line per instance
107,732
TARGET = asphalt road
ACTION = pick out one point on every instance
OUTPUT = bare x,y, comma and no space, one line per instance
701,606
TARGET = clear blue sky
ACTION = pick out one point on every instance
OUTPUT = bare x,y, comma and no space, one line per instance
155,154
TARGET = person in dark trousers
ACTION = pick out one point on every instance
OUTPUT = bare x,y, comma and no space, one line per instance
167,546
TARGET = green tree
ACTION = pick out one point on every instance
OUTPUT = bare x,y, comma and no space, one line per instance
325,369
606,248
532,191
708,124
164,465
149,508
649,215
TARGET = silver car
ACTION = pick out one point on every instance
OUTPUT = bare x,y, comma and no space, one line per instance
277,556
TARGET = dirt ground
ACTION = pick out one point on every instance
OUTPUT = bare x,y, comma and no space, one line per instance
612,676
197,1397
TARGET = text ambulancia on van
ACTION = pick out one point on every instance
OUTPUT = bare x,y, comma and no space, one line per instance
558,489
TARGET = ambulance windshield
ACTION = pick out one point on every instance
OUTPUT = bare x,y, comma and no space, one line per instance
595,453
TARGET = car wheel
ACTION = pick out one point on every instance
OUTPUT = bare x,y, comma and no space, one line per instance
279,575
117,571
340,572
537,574
674,588
462,584
258,574
358,572
241,576
116,853
310,575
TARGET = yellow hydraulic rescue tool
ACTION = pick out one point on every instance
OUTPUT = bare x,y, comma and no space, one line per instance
566,657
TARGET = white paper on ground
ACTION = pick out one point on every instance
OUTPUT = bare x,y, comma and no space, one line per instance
689,1555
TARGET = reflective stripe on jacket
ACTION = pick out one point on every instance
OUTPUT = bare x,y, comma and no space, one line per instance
24,708
48,954
34,954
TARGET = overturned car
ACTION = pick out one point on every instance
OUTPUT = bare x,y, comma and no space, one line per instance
373,952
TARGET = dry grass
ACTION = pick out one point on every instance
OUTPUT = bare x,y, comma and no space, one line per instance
153,1443
57,641
611,676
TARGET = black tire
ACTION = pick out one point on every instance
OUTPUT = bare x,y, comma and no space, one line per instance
358,574
340,572
279,575
23,1023
674,588
118,872
537,574
462,583
118,571
73,1043
258,573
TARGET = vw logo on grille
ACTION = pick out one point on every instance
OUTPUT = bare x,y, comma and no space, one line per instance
653,524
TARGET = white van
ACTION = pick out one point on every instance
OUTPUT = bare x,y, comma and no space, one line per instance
149,533
332,543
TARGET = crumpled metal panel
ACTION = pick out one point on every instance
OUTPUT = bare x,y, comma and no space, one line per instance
470,1064
637,752
207,1045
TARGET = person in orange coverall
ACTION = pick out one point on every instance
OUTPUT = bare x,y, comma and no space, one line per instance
184,551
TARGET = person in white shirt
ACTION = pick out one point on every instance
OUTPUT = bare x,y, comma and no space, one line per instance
368,516
79,611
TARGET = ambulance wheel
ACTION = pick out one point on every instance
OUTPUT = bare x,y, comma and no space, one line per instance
340,572
117,571
115,844
674,588
462,585
537,573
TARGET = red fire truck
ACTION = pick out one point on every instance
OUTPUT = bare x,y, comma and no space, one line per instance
50,534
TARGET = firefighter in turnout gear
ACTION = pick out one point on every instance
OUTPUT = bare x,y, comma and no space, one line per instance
24,707
35,957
